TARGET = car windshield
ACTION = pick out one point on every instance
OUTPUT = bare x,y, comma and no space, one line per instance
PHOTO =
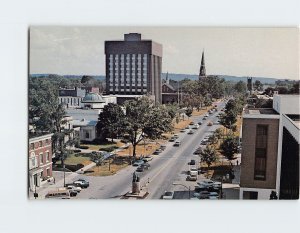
168,193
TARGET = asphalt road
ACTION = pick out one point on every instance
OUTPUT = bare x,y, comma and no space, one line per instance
166,168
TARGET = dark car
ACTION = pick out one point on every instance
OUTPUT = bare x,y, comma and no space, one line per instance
172,139
193,162
146,166
83,180
140,168
157,151
198,151
73,193
192,123
200,122
162,147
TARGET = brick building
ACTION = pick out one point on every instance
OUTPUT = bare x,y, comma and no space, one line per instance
39,160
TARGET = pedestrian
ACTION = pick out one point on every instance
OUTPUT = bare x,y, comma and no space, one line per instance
54,180
237,162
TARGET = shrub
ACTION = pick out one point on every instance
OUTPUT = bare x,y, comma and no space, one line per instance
83,147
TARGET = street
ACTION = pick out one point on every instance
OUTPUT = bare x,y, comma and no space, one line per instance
166,168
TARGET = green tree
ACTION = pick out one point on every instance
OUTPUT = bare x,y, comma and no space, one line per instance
189,111
228,119
208,156
229,147
240,87
258,85
111,121
144,119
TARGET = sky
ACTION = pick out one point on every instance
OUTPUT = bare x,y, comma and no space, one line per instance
257,52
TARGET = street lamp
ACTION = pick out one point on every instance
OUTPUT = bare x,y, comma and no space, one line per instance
187,187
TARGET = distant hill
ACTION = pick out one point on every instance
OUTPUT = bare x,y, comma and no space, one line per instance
179,77
97,77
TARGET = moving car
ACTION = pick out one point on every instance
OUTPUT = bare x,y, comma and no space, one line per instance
138,163
204,118
192,177
200,122
168,195
176,136
209,123
177,143
182,130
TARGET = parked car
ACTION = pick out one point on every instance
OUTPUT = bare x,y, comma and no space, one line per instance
58,194
192,162
213,195
209,123
140,168
182,130
147,158
157,151
206,183
204,118
146,166
83,180
202,194
192,123
192,177
187,127
138,163
176,136
81,183
162,147
195,126
204,142
74,188
168,195
198,151
177,143
172,139
200,122
191,132
206,115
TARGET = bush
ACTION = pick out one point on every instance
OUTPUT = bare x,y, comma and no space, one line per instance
83,147
109,149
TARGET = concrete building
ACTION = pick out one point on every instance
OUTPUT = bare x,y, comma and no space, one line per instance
133,67
270,150
39,160
71,97
88,130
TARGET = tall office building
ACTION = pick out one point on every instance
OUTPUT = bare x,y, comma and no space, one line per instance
133,67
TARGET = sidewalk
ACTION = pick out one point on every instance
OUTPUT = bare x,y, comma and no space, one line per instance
70,176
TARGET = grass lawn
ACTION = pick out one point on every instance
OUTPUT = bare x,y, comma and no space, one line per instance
148,149
105,170
74,160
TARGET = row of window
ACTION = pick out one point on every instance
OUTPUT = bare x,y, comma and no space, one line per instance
39,144
128,90
261,152
72,101
42,159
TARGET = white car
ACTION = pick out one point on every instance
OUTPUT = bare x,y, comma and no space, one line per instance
74,188
206,183
168,195
147,158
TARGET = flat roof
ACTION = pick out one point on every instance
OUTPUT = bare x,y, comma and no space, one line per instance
258,111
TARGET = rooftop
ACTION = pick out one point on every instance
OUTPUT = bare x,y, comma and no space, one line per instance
259,111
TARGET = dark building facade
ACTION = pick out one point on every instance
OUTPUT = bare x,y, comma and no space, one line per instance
133,67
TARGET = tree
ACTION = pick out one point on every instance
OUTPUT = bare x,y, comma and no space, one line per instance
228,119
111,121
230,147
240,87
144,120
208,156
258,85
189,111
87,80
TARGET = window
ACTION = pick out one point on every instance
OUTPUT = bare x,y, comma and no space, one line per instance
47,141
40,143
41,159
31,146
87,134
261,152
47,156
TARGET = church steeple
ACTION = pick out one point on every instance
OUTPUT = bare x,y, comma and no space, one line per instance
167,78
202,72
